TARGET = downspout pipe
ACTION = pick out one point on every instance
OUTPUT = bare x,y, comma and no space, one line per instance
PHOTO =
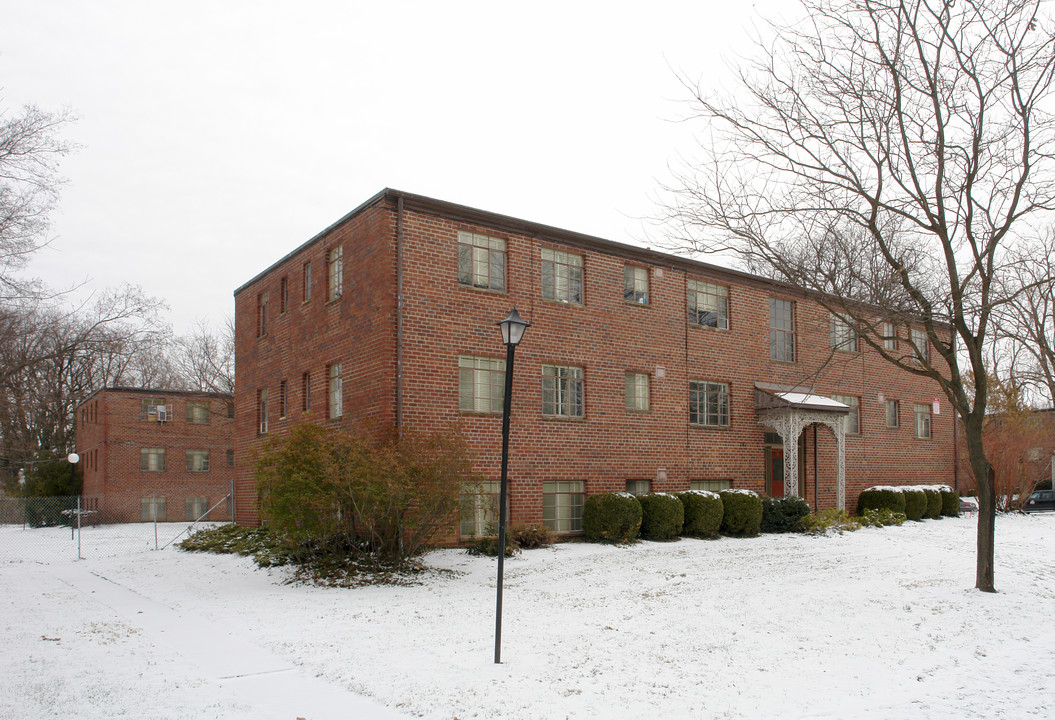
399,311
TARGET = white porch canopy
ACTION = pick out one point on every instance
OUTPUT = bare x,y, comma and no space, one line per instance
787,410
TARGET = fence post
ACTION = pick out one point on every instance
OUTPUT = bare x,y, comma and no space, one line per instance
79,528
154,502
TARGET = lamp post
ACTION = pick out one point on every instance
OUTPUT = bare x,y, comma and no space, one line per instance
74,458
513,328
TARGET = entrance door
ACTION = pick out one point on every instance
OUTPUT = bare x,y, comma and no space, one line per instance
775,472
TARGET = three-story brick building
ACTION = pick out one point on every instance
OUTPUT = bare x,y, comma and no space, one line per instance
641,370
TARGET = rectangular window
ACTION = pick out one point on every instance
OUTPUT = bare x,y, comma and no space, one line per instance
922,413
230,458
710,485
335,271
891,414
305,391
152,459
153,409
781,330
336,391
708,304
637,392
261,314
230,409
635,284
481,261
198,412
842,335
283,399
195,508
561,276
306,279
152,509
889,336
562,391
852,422
638,487
481,384
479,509
708,404
922,343
261,410
283,295
562,503
197,461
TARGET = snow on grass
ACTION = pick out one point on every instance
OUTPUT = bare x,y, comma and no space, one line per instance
878,623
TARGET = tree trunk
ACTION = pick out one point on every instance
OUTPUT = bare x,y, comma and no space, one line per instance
983,473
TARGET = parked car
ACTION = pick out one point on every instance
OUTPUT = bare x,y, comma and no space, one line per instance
1040,501
968,505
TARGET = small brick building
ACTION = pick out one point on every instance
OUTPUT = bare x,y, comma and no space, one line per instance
167,454
641,370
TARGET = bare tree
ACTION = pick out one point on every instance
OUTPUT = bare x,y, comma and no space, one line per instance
205,357
889,157
30,149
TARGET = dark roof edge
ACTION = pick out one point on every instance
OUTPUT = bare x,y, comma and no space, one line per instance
159,391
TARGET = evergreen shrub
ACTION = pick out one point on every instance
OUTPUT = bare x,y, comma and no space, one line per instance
950,502
915,502
879,497
881,517
829,522
933,494
611,517
703,513
531,536
782,515
743,513
662,516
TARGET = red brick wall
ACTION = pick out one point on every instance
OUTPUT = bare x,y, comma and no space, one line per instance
110,435
606,337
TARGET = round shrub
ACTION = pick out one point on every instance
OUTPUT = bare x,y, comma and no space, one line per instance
662,516
933,494
703,513
743,513
611,517
950,501
782,515
915,502
881,497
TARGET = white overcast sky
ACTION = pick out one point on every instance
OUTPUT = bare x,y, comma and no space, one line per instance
217,136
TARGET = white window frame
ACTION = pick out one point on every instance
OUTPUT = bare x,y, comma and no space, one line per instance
563,391
893,408
562,276
562,503
637,391
479,508
261,411
889,330
782,330
852,421
922,421
635,284
921,353
481,261
152,509
481,384
710,485
336,391
152,459
708,304
335,271
708,394
842,335
197,461
639,487
198,412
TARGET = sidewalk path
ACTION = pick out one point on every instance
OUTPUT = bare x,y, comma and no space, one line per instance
268,685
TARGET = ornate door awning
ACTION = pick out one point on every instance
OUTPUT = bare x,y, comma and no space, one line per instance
787,410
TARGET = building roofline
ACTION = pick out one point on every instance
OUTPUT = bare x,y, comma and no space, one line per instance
159,391
464,213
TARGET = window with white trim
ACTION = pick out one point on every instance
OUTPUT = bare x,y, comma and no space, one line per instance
636,387
195,507
561,276
708,403
889,331
479,508
921,411
892,420
922,345
152,509
481,384
710,485
842,334
708,304
562,391
152,459
336,391
148,408
562,503
635,284
261,411
335,271
481,261
198,412
197,461
638,487
781,330
852,422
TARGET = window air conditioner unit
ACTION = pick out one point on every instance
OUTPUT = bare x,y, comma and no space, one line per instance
163,413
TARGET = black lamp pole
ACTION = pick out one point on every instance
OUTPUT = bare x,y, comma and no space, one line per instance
512,332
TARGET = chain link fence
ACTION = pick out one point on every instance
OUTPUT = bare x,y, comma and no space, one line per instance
47,529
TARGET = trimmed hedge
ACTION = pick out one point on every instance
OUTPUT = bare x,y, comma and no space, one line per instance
743,513
703,513
915,502
933,511
880,498
662,516
611,517
783,515
950,502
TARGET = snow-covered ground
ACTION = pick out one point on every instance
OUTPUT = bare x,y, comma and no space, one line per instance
872,624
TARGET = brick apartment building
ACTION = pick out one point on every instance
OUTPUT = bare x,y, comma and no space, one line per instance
167,454
641,370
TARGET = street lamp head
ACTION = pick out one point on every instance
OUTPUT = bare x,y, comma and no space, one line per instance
513,328
74,458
